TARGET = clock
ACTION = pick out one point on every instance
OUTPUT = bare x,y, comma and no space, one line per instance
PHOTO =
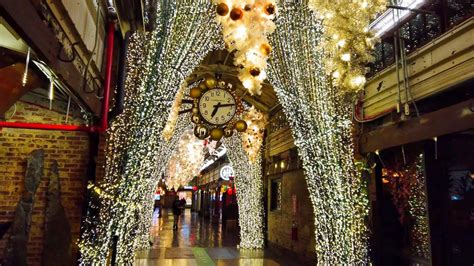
217,106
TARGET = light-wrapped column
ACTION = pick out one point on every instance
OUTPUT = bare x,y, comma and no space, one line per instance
321,125
249,186
185,32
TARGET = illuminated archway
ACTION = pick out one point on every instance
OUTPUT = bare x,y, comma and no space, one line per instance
186,31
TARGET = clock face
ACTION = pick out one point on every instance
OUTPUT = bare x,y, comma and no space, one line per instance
217,106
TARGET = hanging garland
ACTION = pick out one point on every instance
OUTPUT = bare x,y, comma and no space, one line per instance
347,41
252,138
246,25
186,161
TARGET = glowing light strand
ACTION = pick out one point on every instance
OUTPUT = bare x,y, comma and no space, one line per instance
321,126
347,41
252,138
249,187
417,207
186,31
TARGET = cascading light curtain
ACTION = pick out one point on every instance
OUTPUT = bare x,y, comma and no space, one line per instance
249,186
321,125
185,32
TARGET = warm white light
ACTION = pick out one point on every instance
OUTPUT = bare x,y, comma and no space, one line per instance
346,57
241,32
341,43
358,81
247,83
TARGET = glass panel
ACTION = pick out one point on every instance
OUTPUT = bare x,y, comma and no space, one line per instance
458,10
389,53
433,26
416,27
276,194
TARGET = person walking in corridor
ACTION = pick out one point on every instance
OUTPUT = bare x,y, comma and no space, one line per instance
176,212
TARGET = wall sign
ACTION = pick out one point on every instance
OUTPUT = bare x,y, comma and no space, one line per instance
226,172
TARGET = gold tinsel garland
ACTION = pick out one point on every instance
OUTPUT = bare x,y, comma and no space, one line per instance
347,40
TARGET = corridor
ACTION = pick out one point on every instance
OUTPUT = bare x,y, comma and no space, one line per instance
200,242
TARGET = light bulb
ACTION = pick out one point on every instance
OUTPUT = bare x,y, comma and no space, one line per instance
358,80
240,32
346,57
341,43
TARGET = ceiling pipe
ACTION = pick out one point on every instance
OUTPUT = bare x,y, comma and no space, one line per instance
102,127
121,76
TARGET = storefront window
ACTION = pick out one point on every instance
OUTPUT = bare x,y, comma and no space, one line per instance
276,193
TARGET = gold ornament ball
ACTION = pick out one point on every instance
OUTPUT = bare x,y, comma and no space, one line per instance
228,132
195,92
270,9
201,131
241,125
217,133
210,82
202,85
254,71
196,119
195,110
266,49
236,13
222,9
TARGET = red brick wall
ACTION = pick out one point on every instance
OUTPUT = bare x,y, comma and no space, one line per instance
70,149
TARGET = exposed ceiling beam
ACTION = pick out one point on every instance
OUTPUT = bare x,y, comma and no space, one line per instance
455,118
11,88
24,18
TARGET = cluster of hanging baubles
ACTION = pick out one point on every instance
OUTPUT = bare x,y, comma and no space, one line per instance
246,25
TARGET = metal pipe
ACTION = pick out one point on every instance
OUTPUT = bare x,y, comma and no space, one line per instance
44,126
109,57
122,74
102,127
395,41
404,68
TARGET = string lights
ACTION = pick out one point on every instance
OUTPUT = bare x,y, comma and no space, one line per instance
246,25
347,40
252,138
174,113
407,185
186,161
249,186
321,125
418,209
186,31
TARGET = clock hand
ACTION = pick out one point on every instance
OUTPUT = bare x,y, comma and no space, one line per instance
227,104
216,107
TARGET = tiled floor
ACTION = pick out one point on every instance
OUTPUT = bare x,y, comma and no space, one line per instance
200,242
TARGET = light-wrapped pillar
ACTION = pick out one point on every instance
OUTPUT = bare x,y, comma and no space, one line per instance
249,186
321,125
185,32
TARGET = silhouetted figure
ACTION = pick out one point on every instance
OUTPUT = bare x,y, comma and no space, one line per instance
176,212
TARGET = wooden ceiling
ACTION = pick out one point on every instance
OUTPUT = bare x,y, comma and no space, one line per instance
222,62
11,87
